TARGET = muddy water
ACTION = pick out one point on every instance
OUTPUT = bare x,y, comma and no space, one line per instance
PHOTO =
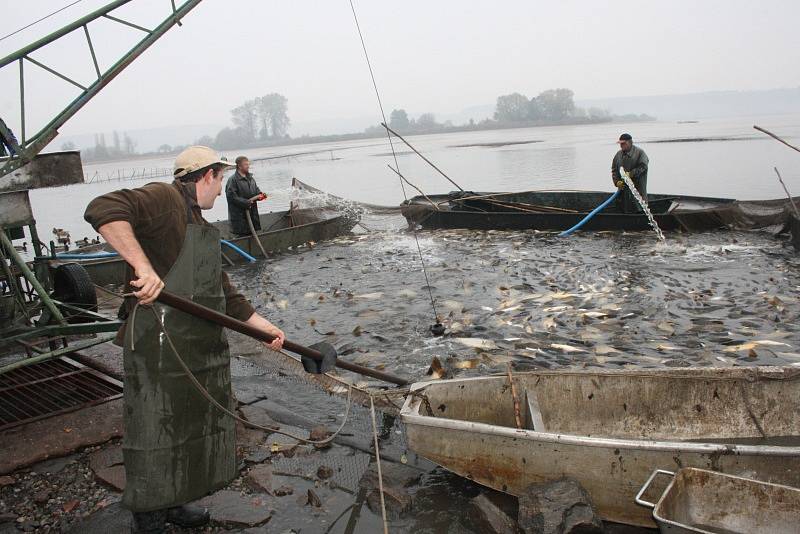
528,298
614,300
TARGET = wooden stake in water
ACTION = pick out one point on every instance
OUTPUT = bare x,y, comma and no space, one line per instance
643,203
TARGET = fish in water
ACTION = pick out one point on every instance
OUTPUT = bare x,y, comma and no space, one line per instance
476,343
566,348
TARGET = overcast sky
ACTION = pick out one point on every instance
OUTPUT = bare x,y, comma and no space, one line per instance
440,56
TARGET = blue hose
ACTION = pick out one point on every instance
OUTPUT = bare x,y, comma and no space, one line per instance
241,252
594,212
87,256
104,255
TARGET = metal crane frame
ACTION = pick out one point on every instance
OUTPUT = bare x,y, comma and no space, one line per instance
27,147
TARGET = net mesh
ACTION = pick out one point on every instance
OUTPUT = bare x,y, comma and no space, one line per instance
277,384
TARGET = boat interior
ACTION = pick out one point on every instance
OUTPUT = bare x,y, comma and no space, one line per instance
745,405
282,220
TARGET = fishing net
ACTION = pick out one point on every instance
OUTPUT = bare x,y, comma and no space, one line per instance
773,215
277,384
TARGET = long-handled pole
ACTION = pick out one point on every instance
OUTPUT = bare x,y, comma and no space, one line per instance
192,308
760,129
253,232
253,228
414,186
791,200
420,155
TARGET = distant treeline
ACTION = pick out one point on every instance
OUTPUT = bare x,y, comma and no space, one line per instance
264,121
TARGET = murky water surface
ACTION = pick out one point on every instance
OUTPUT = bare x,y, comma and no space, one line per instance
614,300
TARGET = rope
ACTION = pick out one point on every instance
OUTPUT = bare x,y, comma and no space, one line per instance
40,20
378,459
394,156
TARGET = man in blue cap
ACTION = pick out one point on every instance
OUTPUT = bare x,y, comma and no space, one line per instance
634,162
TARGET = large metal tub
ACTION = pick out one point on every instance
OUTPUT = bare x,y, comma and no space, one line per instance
609,429
698,500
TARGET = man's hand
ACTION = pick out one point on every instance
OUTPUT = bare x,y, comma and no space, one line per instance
149,284
119,234
262,196
280,337
262,324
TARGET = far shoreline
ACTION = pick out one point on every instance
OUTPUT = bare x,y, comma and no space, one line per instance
333,138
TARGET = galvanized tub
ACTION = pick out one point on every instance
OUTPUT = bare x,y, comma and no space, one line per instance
702,501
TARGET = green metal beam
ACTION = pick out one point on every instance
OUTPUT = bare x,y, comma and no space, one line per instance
76,329
32,145
56,353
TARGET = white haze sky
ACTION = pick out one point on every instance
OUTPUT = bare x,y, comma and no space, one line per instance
440,56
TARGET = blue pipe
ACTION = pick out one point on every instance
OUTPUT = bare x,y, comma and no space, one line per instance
104,255
241,252
594,212
87,256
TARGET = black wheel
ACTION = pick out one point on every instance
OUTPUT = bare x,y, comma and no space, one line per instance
72,285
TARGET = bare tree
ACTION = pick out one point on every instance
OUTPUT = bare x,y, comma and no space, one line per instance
273,114
245,117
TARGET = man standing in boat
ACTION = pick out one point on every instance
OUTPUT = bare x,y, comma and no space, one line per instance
177,446
243,193
634,161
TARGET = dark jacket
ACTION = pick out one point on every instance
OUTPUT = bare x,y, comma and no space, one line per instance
157,212
239,190
634,161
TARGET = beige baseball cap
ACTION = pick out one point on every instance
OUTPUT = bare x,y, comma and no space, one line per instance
196,157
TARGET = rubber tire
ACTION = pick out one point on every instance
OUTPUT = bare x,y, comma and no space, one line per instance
73,285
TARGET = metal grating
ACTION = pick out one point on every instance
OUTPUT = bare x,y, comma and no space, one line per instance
50,388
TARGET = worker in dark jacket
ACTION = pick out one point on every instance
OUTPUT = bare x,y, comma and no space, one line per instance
177,446
634,162
243,193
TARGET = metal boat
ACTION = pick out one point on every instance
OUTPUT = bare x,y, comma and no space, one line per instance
610,429
560,210
698,501
280,230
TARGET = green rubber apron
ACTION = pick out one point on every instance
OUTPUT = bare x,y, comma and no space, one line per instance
177,447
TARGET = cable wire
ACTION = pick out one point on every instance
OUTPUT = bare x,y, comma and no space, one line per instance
40,20
394,155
